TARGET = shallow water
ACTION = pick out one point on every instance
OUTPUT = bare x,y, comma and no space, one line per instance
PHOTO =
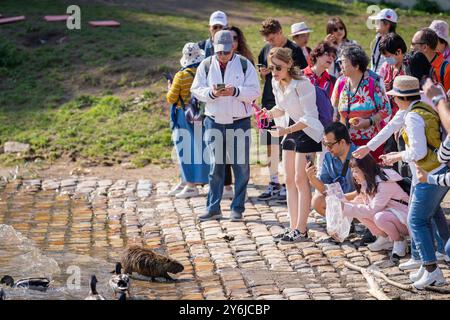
70,273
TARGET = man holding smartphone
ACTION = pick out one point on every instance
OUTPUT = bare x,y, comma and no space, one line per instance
227,83
273,35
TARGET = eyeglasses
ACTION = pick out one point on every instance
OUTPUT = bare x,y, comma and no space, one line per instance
329,145
417,43
275,67
339,28
223,53
217,27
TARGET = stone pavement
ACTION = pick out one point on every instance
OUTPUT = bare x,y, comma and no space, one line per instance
222,259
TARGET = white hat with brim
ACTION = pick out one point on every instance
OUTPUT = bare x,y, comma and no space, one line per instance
192,54
441,29
405,86
299,28
385,14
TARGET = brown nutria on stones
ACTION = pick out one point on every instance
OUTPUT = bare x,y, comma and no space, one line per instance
149,263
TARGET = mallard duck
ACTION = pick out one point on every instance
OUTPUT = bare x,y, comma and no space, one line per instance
2,294
40,284
122,296
119,282
93,294
148,263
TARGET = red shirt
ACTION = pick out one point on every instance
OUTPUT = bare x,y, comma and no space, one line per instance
324,81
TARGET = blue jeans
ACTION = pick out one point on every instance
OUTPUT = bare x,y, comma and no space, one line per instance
425,206
228,143
447,248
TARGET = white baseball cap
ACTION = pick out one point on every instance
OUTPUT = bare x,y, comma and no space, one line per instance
299,28
441,29
218,17
385,14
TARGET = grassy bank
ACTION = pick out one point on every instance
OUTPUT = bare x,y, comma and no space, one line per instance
97,93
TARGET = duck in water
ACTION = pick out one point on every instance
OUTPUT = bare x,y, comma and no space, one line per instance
40,284
119,282
93,294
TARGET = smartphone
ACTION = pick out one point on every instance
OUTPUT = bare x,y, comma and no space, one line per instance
220,86
168,76
309,158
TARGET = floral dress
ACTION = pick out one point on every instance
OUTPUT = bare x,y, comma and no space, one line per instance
368,100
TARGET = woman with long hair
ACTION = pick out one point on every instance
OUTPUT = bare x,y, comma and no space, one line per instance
298,118
381,205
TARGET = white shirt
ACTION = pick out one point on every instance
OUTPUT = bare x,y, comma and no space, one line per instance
414,126
298,101
376,54
225,110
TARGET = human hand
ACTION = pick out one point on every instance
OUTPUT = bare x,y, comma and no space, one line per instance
264,71
390,158
422,175
430,89
278,132
361,152
311,170
359,123
330,38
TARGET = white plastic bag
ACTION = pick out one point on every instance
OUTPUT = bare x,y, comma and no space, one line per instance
338,226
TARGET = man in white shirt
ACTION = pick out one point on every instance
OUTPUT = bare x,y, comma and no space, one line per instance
227,83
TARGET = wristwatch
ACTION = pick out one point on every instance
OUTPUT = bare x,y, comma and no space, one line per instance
438,98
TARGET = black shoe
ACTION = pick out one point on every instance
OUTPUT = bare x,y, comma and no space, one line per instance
367,238
272,190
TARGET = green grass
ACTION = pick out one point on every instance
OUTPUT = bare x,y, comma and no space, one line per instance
73,92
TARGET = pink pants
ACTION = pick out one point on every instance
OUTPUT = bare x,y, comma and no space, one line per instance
385,223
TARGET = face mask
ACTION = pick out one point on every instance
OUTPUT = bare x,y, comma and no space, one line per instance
391,61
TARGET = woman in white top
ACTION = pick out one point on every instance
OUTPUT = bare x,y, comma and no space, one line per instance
297,119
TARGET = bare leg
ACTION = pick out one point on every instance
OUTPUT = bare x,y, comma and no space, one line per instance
304,191
291,188
318,203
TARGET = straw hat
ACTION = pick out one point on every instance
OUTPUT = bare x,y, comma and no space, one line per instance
405,86
299,28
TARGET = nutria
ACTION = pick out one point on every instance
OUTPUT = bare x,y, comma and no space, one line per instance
149,263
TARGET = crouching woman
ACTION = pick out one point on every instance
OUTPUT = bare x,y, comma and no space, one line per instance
381,205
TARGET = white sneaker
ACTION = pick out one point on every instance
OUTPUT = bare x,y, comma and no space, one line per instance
410,264
400,248
442,257
416,276
187,192
228,193
435,278
177,189
382,243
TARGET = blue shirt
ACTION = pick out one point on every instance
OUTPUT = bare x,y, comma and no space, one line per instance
331,171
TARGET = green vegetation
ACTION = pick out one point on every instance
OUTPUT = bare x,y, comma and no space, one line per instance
97,93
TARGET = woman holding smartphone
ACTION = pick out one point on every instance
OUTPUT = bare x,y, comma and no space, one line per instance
295,106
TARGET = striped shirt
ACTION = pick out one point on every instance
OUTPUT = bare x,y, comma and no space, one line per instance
181,86
444,157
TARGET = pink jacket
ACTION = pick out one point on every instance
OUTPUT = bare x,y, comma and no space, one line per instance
365,206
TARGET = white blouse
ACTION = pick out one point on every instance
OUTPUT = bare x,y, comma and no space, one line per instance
298,101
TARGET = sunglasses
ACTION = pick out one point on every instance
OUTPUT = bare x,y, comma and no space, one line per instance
275,67
217,27
223,53
329,145
340,28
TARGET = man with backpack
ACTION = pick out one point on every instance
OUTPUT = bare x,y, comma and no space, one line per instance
217,21
227,83
426,41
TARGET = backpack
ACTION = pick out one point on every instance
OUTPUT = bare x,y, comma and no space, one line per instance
442,70
324,106
193,109
433,134
208,61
